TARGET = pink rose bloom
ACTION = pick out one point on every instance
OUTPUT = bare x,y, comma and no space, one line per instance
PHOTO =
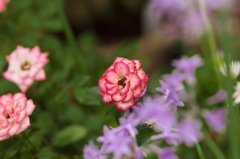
26,66
123,82
14,112
3,4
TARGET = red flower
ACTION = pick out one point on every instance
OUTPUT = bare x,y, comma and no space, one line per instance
123,82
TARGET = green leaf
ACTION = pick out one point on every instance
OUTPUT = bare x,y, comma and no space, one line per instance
118,114
52,25
73,114
87,96
144,134
45,153
69,135
13,150
110,110
78,80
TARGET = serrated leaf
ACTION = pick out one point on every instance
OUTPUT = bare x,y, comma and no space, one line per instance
13,150
69,135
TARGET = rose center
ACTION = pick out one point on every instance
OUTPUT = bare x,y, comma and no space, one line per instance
121,82
26,66
8,116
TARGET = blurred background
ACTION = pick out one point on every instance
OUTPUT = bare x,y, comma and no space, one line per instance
83,37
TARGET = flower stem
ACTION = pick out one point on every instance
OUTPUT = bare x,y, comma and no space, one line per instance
199,151
210,35
80,59
233,115
212,145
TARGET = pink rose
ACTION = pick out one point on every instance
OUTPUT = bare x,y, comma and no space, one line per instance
26,66
123,82
3,4
14,112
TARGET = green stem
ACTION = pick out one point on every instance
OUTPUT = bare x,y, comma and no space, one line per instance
199,151
233,110
213,146
210,35
80,59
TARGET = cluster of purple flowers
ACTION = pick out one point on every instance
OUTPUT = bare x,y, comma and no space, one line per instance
181,18
161,113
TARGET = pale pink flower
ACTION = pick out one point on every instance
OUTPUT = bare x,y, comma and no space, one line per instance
26,66
14,114
123,82
3,4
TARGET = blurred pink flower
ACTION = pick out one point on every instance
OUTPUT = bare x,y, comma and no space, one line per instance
14,112
123,82
25,66
3,4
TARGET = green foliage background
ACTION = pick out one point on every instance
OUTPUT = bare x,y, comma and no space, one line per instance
69,111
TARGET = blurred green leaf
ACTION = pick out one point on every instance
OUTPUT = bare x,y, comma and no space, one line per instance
144,133
94,122
13,150
45,153
45,122
87,96
69,135
54,25
78,80
73,114
110,109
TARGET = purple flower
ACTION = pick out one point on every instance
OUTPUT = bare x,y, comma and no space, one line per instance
170,137
171,95
216,98
129,124
139,153
154,113
166,153
218,4
216,119
166,6
192,25
174,80
188,67
189,132
91,152
116,142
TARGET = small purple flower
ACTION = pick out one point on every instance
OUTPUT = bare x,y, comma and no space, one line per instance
166,153
174,80
140,153
188,66
154,113
116,142
170,137
192,25
216,98
171,95
189,132
216,119
91,152
129,124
